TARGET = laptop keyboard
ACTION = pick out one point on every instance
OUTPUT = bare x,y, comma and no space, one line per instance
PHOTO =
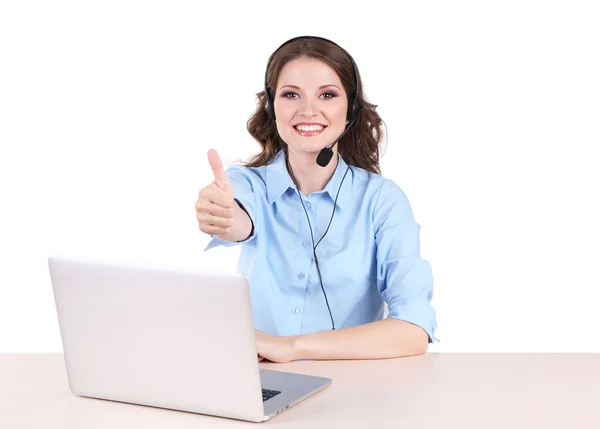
268,394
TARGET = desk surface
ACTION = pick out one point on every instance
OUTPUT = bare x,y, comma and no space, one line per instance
435,390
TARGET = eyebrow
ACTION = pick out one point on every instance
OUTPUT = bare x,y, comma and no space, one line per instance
297,87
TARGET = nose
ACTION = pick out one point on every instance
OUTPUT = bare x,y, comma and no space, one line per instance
308,107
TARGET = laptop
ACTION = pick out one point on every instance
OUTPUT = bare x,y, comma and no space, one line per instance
168,337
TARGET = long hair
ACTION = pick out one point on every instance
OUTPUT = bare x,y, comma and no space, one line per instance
366,129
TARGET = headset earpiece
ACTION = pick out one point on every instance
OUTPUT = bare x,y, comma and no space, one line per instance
269,104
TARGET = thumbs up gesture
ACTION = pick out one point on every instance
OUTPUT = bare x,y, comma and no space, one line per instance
215,207
221,179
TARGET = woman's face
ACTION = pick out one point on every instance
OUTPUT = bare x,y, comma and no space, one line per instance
310,93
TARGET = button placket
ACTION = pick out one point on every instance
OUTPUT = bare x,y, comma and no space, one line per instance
306,242
301,278
303,263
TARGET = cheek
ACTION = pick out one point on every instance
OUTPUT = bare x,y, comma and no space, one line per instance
339,117
284,116
283,110
340,111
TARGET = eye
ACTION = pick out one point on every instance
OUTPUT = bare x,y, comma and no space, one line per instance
292,95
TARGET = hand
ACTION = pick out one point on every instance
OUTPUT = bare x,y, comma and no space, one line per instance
215,204
275,349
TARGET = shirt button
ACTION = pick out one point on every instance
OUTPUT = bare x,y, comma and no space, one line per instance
300,276
307,205
305,243
295,310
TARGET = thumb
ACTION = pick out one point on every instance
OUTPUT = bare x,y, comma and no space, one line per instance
217,167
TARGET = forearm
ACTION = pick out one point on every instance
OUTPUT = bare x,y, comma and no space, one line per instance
386,338
241,228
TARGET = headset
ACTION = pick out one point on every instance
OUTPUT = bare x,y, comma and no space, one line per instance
354,108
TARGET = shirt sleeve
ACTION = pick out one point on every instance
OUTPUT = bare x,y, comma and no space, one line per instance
244,196
404,279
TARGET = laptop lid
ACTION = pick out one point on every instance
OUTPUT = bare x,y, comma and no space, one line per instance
169,337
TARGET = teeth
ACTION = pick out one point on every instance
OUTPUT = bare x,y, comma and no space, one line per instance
309,127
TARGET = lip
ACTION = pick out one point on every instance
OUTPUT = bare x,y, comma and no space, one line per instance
309,133
309,123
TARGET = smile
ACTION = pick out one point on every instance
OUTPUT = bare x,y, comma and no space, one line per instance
309,131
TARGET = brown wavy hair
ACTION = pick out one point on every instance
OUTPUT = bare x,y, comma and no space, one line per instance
366,130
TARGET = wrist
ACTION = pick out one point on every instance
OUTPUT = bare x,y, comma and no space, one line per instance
238,229
298,347
243,221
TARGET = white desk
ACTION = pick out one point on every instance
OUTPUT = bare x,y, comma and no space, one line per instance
435,390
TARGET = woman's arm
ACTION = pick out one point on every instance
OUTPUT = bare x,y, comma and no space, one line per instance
388,338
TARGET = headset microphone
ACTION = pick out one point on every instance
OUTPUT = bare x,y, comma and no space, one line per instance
326,153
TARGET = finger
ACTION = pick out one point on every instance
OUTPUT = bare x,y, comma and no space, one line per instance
217,196
217,167
208,219
215,230
206,206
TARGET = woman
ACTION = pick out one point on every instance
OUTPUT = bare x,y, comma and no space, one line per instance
326,240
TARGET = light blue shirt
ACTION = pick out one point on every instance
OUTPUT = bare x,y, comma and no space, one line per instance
370,254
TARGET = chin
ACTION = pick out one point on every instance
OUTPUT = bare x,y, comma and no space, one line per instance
313,148
309,144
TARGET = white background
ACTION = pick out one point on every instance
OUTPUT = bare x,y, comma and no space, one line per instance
107,110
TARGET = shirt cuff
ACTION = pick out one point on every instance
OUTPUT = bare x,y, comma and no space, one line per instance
422,315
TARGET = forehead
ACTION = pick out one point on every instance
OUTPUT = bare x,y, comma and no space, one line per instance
308,72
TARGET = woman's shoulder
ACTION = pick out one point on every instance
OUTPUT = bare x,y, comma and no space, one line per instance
376,184
249,178
242,170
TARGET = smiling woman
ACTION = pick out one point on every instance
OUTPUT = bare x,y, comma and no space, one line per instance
319,159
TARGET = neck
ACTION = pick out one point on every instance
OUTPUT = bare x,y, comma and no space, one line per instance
307,174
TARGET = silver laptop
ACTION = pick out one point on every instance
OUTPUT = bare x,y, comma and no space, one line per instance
168,337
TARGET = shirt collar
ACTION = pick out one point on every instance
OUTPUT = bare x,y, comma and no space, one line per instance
278,181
